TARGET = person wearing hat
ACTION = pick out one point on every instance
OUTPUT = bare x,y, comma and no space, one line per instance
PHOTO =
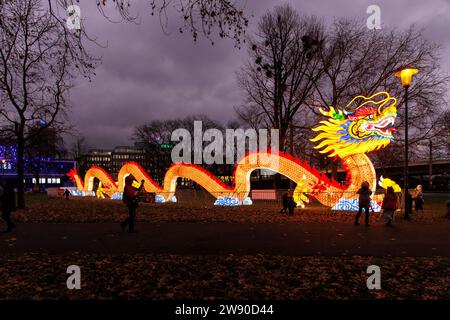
417,197
364,202
130,199
389,205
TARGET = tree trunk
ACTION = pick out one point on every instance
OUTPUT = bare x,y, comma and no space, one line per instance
282,147
37,177
20,173
282,139
292,184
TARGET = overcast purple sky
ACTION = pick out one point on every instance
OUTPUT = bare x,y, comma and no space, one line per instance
146,74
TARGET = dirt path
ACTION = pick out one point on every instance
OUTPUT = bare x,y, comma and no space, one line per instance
293,239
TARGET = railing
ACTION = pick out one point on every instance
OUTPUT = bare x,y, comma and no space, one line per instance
191,196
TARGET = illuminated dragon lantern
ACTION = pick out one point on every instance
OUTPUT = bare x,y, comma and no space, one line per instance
364,125
349,135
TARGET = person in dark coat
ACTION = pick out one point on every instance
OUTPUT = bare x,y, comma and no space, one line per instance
364,202
130,198
389,205
291,204
418,198
408,206
67,194
8,205
285,202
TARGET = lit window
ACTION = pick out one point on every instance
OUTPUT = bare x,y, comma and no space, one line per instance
58,180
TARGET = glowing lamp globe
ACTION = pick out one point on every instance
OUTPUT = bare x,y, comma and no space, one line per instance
405,76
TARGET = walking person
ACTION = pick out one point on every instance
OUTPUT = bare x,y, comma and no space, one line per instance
364,202
130,198
389,205
291,204
408,203
66,194
418,198
8,205
285,200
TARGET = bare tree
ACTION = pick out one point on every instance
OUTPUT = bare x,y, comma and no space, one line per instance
78,150
360,61
42,147
155,137
222,18
39,58
282,70
447,133
79,147
353,61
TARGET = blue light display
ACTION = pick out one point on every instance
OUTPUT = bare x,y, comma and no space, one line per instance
353,205
226,201
159,199
117,196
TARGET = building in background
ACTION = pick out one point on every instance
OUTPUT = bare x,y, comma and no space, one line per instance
123,154
95,157
52,172
154,159
111,160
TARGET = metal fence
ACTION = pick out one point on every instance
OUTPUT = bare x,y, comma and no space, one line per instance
274,197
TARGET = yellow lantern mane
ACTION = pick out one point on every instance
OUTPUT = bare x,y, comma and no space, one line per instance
367,128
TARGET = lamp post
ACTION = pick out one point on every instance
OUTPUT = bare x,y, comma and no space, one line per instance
405,75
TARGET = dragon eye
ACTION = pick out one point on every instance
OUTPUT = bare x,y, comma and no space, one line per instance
370,116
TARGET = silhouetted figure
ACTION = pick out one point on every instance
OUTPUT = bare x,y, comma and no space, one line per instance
418,198
408,205
291,204
66,194
130,198
8,204
389,205
364,202
285,202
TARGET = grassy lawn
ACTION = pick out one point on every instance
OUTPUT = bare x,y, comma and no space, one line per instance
41,208
39,276
163,276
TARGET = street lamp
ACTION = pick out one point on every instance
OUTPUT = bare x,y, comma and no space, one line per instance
405,75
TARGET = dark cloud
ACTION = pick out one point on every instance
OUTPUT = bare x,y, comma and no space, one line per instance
146,74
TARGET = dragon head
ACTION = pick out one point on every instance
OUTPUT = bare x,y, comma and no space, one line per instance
369,127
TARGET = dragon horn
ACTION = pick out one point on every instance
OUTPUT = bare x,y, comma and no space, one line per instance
380,183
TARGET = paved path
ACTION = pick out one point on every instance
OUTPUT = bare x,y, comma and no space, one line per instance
295,239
